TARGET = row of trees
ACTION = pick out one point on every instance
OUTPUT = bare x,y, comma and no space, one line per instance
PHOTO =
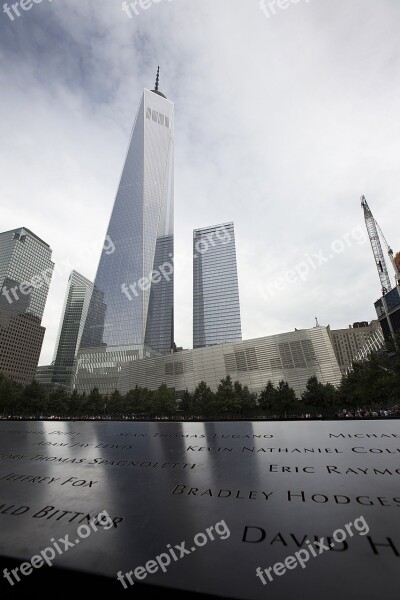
35,400
374,383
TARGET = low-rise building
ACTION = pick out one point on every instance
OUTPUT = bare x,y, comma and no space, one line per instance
293,357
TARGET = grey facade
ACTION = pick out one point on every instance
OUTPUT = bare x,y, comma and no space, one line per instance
132,299
25,275
101,367
76,305
293,357
216,307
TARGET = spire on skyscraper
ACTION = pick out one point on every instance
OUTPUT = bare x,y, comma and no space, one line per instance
123,321
156,90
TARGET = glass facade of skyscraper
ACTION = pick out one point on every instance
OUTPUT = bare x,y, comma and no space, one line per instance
25,275
132,299
24,259
141,219
216,308
73,319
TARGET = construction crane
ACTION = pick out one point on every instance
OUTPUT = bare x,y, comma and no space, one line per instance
372,228
393,259
397,264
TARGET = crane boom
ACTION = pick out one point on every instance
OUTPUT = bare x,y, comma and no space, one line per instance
391,255
376,247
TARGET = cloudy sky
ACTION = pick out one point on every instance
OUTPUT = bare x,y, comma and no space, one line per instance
284,118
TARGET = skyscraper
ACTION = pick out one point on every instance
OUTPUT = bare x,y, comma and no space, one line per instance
25,275
131,309
216,308
73,318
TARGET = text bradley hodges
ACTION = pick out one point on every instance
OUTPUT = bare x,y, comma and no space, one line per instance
294,496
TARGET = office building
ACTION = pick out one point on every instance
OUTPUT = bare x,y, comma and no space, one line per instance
131,308
388,312
349,343
44,376
73,319
293,357
25,275
216,307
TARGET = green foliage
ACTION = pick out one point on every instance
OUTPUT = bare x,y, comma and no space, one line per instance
10,393
186,405
32,399
374,383
319,395
226,399
280,400
286,397
95,403
268,398
115,404
76,404
138,401
204,400
164,401
247,400
58,402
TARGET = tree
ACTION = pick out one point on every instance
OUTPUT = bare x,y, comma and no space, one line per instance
226,400
246,401
164,401
95,403
371,383
286,400
76,403
187,403
116,404
268,398
139,400
33,400
58,402
204,401
319,395
10,394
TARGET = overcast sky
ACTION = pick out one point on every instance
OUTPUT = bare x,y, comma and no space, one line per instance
282,122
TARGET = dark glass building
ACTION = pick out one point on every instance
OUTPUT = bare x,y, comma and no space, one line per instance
216,307
388,311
